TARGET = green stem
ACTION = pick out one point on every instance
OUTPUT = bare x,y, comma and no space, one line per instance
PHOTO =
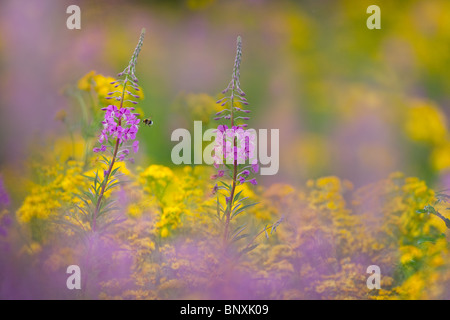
233,188
440,216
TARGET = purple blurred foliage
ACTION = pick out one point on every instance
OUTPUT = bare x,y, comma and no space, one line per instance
4,196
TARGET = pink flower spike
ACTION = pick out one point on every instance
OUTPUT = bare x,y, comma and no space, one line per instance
253,182
255,167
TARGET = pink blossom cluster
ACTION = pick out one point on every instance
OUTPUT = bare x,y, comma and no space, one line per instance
120,124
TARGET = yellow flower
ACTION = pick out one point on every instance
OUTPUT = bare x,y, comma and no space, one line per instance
426,123
85,83
134,210
169,220
157,172
47,198
413,287
102,86
440,156
409,253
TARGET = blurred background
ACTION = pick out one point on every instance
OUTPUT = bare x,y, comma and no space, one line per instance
349,101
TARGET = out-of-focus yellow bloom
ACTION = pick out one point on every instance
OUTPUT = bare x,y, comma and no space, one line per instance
96,82
134,210
102,86
413,287
157,172
46,199
170,219
33,248
85,83
440,156
409,253
426,123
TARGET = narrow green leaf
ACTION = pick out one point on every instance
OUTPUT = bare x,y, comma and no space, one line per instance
90,196
249,248
218,210
105,210
112,186
242,199
82,211
237,238
226,185
106,204
114,171
106,159
96,179
236,207
104,162
219,205
239,230
88,177
82,199
111,181
237,196
243,208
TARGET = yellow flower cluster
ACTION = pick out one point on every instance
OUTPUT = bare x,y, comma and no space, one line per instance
426,123
101,85
331,234
169,221
61,182
156,178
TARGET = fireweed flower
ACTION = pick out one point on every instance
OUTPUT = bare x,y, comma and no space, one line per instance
119,129
234,144
234,154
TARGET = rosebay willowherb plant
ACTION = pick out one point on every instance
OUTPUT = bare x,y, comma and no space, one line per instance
234,157
117,138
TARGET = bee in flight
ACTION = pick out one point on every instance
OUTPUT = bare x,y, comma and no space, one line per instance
148,121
